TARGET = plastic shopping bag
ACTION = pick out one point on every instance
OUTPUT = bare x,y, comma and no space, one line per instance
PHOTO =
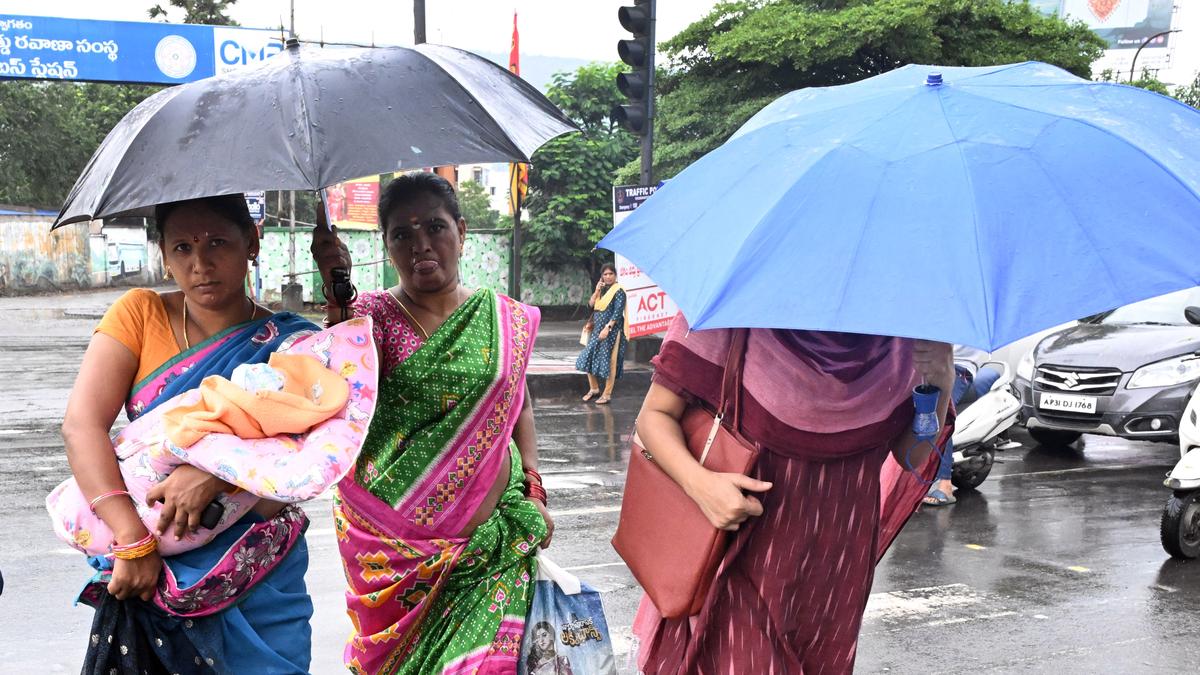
566,633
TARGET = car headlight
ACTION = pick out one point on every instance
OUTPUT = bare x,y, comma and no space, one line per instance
1025,367
1166,373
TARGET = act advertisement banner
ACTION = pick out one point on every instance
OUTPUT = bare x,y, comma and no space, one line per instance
354,204
650,310
53,48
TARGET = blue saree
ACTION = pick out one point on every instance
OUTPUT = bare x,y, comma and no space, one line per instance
213,618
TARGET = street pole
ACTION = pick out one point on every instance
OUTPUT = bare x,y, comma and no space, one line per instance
648,139
514,281
292,28
1145,42
419,22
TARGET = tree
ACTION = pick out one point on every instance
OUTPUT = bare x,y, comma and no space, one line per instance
570,190
745,53
476,207
208,12
1189,93
49,130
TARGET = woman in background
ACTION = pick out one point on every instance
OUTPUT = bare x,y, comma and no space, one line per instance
604,356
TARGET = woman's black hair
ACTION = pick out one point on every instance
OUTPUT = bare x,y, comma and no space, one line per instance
608,266
230,207
409,185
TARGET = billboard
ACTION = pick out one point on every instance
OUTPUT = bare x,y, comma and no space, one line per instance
85,50
650,309
1125,24
354,204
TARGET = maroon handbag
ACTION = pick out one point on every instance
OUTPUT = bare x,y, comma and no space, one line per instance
670,546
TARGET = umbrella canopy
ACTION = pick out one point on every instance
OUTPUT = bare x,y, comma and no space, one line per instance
969,205
307,119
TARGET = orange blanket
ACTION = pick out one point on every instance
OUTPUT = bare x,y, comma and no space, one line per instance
311,394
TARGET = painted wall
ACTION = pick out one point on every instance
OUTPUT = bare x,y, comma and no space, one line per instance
484,264
365,246
32,258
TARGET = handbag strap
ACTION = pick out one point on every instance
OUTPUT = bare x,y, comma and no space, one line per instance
731,384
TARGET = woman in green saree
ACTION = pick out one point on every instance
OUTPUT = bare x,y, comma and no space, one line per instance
439,522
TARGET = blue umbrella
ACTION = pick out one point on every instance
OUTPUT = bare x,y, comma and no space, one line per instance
968,205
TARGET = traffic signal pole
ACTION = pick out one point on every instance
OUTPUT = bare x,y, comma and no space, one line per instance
648,138
637,85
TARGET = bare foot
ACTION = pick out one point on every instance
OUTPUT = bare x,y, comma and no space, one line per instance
588,396
603,400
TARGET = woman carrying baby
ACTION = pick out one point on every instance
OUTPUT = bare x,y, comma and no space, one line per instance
148,348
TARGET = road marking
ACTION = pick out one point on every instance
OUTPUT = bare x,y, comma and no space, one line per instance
1080,469
909,604
968,619
595,566
586,511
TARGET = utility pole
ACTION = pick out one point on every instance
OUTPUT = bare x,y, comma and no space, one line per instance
419,22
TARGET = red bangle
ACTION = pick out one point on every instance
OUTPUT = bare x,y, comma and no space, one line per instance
535,491
530,473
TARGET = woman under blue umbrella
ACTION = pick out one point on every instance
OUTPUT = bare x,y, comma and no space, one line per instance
603,358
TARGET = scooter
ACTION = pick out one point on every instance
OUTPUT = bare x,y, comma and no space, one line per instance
979,429
1180,526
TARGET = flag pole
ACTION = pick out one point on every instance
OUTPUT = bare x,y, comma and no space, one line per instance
517,182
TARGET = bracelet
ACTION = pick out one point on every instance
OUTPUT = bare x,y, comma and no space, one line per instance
535,491
138,549
530,473
92,504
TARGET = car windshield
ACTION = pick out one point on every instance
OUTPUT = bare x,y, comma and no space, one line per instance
1165,309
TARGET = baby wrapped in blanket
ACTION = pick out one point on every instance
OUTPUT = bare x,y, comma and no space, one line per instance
285,431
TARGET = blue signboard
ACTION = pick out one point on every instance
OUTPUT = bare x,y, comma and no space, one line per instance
127,51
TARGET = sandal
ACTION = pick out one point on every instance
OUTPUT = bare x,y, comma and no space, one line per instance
938,498
588,396
603,400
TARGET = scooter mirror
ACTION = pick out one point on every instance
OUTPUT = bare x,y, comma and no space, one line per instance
1193,315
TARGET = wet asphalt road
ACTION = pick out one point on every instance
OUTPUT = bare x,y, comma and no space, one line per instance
1053,566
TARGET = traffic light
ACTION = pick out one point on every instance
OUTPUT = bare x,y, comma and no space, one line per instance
638,52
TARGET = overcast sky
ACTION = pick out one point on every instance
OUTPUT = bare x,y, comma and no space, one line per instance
584,29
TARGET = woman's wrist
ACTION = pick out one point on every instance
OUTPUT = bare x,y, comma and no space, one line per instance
694,475
130,533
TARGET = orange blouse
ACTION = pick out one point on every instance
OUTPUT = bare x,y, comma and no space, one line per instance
139,321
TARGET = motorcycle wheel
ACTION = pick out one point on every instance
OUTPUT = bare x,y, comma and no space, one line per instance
1180,528
971,473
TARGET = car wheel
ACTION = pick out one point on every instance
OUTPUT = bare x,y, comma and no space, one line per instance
1180,528
1053,438
971,473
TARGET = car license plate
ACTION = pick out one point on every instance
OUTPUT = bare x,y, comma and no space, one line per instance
1068,403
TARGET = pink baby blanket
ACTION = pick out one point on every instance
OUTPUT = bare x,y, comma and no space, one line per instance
285,468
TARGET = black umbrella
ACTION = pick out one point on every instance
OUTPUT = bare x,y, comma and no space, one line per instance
308,119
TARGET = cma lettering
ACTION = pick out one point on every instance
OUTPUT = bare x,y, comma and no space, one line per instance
234,54
652,302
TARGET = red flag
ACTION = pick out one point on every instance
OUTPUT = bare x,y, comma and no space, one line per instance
514,57
518,174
